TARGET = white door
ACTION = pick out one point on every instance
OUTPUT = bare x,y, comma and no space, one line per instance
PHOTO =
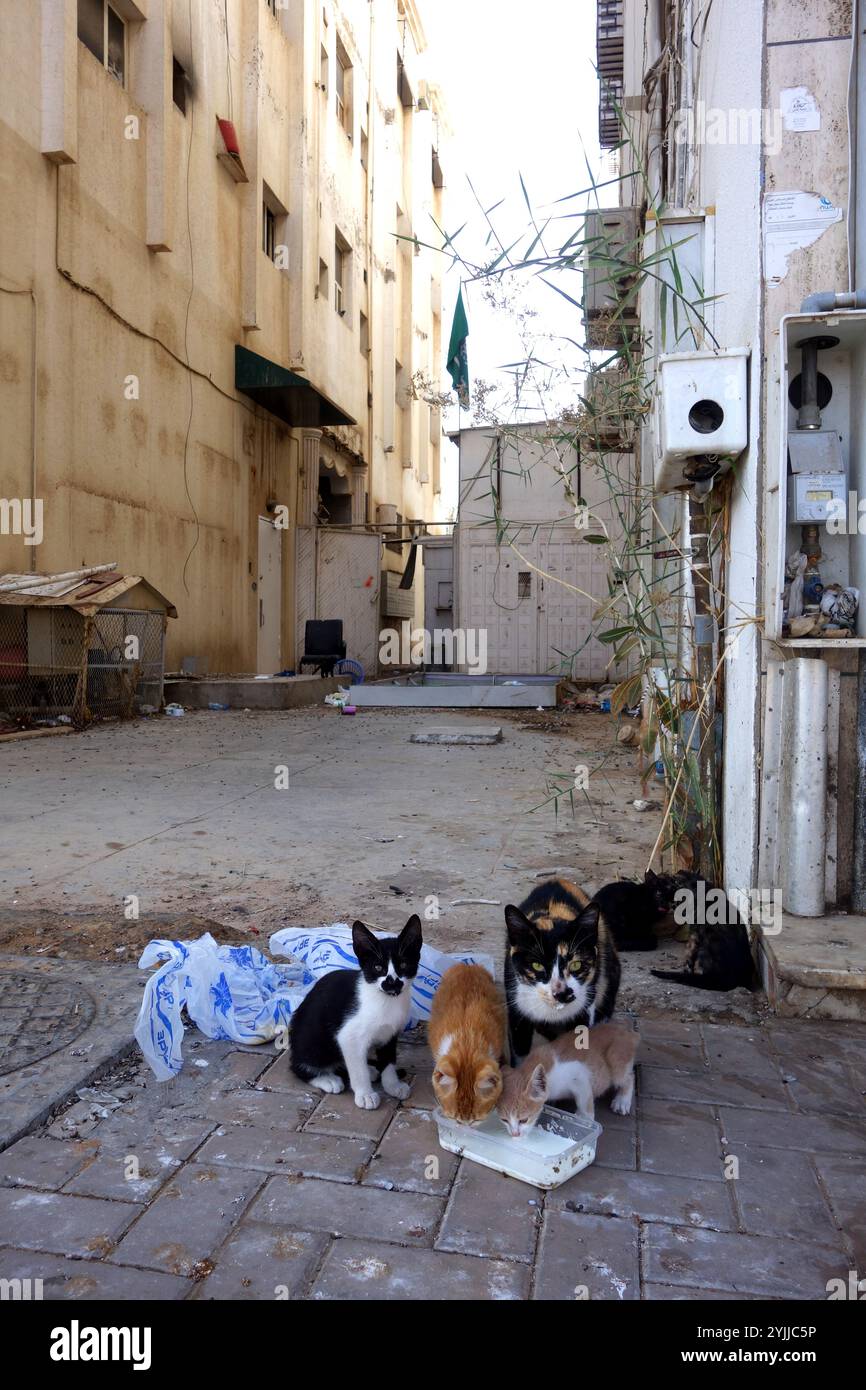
338,577
270,599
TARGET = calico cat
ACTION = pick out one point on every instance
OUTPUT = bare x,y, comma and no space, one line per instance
466,1033
562,1071
718,955
348,1013
561,965
632,910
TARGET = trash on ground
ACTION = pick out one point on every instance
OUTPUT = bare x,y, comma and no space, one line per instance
339,697
175,711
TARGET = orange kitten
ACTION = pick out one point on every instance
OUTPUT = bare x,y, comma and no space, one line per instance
467,1039
564,1070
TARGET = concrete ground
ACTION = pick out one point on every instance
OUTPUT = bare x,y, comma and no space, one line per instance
738,1174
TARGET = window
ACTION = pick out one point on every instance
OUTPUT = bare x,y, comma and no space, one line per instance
364,333
404,91
436,172
323,69
365,149
343,84
323,280
178,85
342,273
269,231
524,584
274,228
101,29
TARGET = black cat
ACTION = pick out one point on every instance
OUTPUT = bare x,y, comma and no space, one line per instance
718,955
561,965
350,1013
632,910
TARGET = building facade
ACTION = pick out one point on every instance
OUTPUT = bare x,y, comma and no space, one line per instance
215,306
739,124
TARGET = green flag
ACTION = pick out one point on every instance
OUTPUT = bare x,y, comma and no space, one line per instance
458,362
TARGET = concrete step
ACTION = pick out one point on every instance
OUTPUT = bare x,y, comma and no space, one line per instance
815,967
245,692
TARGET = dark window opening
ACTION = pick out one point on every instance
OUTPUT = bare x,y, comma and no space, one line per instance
404,91
178,85
524,584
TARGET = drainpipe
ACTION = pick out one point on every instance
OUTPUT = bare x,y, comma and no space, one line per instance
803,789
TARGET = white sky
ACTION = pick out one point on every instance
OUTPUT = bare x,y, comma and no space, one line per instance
520,87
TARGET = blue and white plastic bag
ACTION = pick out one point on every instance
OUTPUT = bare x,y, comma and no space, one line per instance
235,993
229,992
330,948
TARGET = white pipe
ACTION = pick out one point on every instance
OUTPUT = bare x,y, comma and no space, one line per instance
803,790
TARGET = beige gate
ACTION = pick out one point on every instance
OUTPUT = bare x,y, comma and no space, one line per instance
337,576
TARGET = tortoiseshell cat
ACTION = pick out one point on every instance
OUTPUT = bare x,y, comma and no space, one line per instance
561,965
718,955
632,910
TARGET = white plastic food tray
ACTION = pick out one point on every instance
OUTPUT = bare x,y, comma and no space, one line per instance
560,1145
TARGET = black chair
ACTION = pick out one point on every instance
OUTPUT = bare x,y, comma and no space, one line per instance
323,645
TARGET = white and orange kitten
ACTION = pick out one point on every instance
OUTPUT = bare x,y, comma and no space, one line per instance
563,1070
466,1033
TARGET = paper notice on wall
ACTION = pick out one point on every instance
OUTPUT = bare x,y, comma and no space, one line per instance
792,221
799,109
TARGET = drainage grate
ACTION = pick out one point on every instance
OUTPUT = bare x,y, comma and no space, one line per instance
38,1016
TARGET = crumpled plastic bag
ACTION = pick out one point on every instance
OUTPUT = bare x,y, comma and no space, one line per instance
330,948
235,993
795,569
230,992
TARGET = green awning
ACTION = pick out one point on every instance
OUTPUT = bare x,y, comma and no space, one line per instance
290,397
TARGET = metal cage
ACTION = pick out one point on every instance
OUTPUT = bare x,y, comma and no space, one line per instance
59,666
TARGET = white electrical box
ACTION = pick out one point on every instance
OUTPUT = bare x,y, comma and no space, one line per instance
810,495
702,415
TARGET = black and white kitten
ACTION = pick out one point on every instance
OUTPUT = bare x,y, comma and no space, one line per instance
349,1013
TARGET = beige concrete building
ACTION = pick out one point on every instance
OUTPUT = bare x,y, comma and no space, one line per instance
209,323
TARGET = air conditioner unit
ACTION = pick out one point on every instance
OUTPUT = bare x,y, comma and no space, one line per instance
612,241
395,602
702,416
613,405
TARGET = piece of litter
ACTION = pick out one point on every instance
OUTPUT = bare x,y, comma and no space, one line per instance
200,1062
472,902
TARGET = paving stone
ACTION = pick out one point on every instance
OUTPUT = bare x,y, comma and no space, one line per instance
62,1224
778,1195
408,1152
617,1148
714,1088
490,1214
306,1204
267,1109
769,1130
263,1262
107,1176
667,1293
45,1163
189,1218
822,1088
740,1263
685,1054
73,1279
280,1077
578,1252
357,1270
739,1051
241,1069
340,1115
679,1139
669,1030
647,1196
844,1181
421,1096
269,1151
